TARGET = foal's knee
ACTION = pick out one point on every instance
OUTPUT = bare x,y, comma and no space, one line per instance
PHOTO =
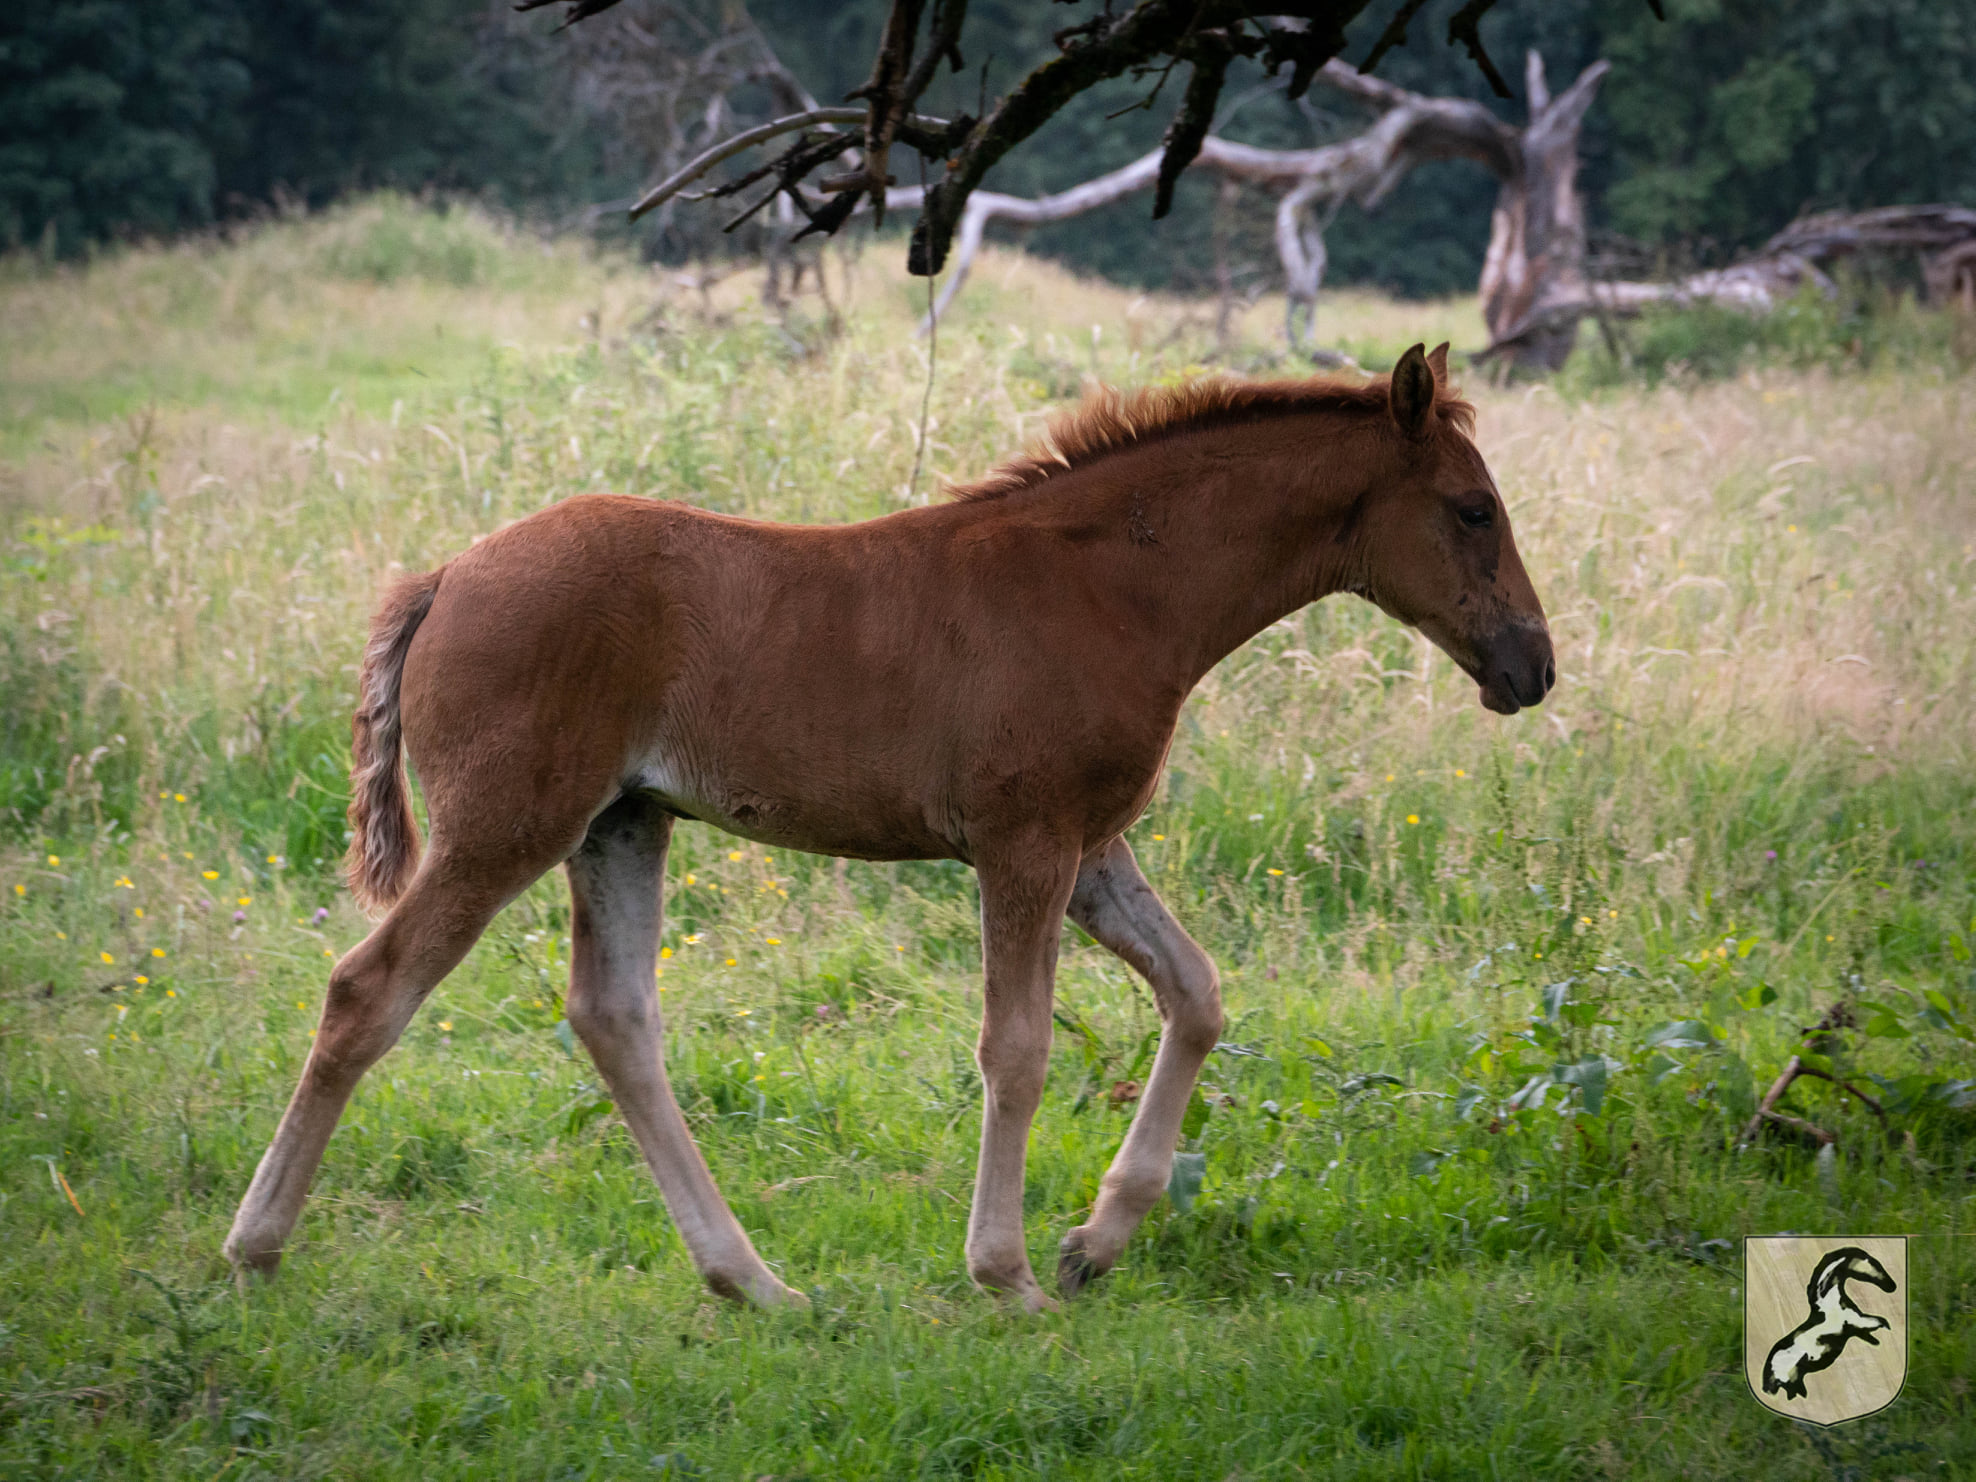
605,1015
360,1020
1193,1004
1014,1061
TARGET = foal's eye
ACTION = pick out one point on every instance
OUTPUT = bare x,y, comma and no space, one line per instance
1478,517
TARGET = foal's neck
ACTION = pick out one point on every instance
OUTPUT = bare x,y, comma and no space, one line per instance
1209,536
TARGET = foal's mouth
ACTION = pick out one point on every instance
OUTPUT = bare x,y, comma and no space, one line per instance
1506,692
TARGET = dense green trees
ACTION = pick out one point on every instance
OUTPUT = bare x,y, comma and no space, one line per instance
145,117
112,114
122,117
1736,114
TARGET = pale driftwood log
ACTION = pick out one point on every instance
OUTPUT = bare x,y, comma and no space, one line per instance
1803,253
1411,130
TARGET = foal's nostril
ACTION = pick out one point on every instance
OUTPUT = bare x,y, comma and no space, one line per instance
1550,674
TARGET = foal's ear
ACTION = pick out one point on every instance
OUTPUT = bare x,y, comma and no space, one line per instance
1437,361
1412,392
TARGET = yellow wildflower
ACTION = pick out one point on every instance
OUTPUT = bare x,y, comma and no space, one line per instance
106,957
210,874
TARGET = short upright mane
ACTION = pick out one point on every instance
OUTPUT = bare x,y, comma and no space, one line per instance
1109,421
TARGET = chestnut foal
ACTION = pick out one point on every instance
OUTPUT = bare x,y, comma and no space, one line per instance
995,679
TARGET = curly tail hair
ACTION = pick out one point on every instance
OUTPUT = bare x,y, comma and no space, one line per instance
384,836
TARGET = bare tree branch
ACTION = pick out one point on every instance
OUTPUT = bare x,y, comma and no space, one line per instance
698,167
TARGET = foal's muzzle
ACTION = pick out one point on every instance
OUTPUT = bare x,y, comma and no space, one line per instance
1517,668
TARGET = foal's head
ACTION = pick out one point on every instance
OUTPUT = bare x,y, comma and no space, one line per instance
1435,548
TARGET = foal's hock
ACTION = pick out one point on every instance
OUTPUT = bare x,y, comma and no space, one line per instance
995,679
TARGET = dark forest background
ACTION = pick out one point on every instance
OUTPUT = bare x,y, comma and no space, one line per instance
122,119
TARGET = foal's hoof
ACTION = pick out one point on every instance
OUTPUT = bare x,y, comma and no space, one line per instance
249,1265
759,1289
1076,1268
784,1298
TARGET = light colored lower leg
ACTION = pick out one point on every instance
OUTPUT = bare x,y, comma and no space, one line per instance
615,884
373,993
1021,916
1115,904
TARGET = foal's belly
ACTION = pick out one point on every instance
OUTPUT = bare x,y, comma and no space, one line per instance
854,828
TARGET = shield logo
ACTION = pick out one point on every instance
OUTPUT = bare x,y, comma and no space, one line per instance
1825,1323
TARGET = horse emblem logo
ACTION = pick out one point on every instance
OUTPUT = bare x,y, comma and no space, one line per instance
1825,1324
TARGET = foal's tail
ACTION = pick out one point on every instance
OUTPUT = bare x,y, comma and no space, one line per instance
384,836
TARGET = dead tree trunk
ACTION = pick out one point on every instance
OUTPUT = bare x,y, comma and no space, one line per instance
1802,254
1536,257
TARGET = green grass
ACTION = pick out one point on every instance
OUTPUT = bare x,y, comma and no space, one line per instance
1408,1255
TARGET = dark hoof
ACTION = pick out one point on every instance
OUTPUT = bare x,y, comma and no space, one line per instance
1075,1269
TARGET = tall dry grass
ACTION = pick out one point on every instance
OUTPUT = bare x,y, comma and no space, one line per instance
1773,572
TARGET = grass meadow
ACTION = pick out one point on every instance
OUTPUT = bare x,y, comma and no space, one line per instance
1463,1196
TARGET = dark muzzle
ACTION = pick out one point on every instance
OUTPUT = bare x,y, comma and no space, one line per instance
1518,669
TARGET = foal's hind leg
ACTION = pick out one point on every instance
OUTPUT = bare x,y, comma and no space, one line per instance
615,883
373,993
1115,904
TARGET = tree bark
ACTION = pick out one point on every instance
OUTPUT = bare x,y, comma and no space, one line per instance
1536,256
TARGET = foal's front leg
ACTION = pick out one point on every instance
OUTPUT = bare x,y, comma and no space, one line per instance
1023,895
615,881
1115,904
